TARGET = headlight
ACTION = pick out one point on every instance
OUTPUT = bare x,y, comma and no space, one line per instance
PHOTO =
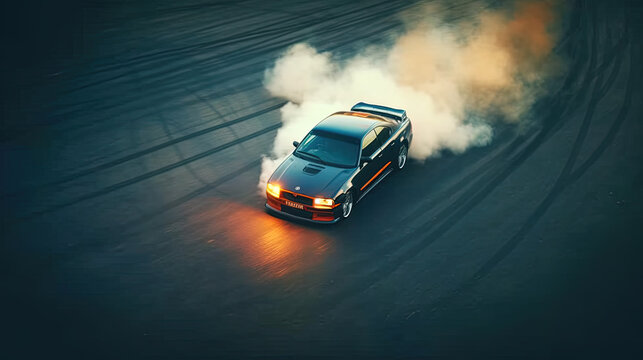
273,190
320,203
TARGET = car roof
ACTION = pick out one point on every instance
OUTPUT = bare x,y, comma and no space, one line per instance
351,123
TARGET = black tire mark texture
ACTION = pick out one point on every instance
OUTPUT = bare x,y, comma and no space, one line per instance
148,175
493,165
258,65
39,189
566,178
476,179
232,57
260,32
185,198
216,112
178,152
115,186
230,39
465,203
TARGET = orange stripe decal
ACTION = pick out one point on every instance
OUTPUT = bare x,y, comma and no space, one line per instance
376,175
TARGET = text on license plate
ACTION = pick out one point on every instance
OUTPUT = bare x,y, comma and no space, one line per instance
295,205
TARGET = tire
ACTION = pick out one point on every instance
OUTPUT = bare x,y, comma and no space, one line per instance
402,156
347,206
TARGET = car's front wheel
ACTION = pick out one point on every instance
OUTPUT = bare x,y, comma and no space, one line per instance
402,156
347,206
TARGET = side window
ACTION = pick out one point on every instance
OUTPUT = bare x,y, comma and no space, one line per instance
369,144
383,133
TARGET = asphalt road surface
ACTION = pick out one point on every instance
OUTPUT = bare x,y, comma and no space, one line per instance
132,226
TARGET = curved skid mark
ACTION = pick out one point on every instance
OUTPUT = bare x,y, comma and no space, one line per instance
251,51
149,175
566,179
185,198
471,198
178,152
217,113
36,190
261,32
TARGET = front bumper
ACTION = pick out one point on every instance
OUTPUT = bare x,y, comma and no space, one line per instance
308,214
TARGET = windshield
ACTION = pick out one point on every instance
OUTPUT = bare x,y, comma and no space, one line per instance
329,149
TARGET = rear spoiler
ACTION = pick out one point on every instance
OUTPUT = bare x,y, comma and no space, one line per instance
395,114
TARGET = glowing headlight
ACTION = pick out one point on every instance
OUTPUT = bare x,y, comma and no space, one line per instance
319,203
273,190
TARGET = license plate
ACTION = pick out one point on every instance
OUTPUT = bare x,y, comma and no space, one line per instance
295,205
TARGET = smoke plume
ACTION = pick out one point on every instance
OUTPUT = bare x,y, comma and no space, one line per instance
454,80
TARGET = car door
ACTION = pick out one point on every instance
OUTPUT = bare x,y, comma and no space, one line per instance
368,170
388,149
382,157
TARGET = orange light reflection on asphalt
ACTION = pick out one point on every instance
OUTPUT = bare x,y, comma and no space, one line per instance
271,246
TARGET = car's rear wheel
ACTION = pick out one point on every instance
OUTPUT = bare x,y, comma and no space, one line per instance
347,206
402,156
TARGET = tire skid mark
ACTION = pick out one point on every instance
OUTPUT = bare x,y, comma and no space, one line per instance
465,188
217,114
84,129
120,184
185,198
574,25
463,205
162,70
567,177
127,158
162,54
249,51
234,56
596,96
524,144
179,153
255,66
260,32
40,188
146,176
146,59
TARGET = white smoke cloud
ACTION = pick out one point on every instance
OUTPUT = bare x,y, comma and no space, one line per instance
444,77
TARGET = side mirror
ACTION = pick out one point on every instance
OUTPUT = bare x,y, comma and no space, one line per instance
295,143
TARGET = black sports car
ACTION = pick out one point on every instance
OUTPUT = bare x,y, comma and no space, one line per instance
338,162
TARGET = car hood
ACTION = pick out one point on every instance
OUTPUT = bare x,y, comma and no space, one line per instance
312,179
